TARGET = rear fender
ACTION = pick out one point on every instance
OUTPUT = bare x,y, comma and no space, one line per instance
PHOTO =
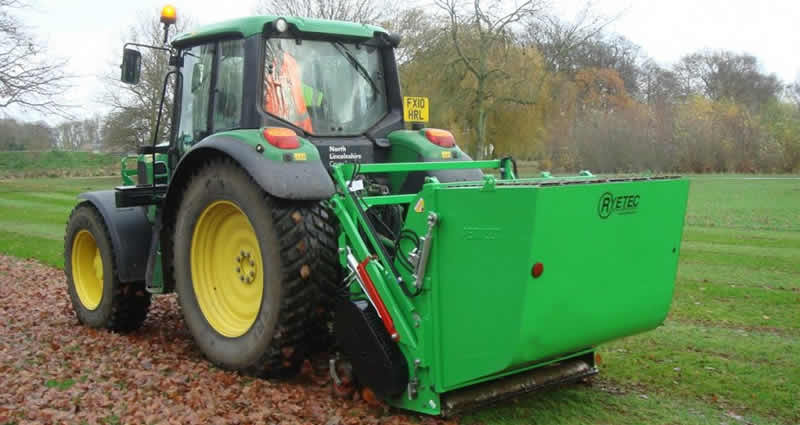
412,146
289,174
130,232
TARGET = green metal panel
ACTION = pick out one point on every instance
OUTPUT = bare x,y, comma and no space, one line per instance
607,273
252,25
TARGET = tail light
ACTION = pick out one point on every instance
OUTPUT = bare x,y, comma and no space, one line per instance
282,138
441,138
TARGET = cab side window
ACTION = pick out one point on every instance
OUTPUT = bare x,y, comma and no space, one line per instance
229,89
195,94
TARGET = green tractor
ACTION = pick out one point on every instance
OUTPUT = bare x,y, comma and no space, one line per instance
293,213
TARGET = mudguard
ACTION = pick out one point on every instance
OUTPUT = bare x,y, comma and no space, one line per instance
412,146
299,180
130,232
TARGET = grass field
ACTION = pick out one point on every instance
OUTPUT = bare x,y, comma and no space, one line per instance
34,212
728,354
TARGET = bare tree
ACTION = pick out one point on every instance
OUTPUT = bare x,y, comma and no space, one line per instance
31,136
477,32
419,33
78,135
362,11
657,85
614,52
727,75
29,78
559,40
794,92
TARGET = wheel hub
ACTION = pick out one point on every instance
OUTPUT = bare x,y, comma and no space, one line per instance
246,267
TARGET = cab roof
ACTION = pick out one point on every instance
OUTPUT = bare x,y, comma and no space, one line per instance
251,25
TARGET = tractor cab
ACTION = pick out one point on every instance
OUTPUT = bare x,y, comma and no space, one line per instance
334,84
303,90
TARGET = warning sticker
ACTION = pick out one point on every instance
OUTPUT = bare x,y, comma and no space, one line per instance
420,206
415,109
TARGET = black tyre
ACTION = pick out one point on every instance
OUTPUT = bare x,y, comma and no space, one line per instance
322,228
98,297
243,262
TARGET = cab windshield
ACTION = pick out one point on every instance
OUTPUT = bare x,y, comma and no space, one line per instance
327,88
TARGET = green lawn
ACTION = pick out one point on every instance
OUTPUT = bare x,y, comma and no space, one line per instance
34,212
728,354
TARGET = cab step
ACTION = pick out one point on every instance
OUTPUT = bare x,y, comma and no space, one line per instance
139,195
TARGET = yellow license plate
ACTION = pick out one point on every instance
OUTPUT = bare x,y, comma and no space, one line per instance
415,109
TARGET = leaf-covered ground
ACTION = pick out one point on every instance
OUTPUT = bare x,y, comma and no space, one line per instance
53,370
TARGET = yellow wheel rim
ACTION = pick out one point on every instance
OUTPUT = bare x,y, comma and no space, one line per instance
87,270
227,270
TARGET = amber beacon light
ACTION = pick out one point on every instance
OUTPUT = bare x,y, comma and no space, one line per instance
168,15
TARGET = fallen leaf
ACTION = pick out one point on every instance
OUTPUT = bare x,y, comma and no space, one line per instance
55,370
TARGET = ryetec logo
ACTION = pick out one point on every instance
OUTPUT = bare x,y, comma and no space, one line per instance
610,204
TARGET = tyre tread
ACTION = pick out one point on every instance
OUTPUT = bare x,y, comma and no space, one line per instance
130,301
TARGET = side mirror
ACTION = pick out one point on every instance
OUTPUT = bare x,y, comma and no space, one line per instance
131,66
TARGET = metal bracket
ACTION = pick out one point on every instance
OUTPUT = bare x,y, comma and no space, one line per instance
489,183
413,257
413,384
422,260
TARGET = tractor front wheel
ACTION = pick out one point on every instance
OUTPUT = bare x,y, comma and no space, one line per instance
99,298
241,263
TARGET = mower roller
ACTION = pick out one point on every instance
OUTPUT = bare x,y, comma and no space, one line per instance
296,215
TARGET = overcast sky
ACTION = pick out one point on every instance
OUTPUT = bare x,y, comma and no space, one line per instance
89,33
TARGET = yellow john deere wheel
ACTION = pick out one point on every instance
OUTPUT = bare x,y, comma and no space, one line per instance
227,269
87,270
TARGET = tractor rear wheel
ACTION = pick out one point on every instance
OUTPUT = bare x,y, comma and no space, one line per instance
98,297
242,261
